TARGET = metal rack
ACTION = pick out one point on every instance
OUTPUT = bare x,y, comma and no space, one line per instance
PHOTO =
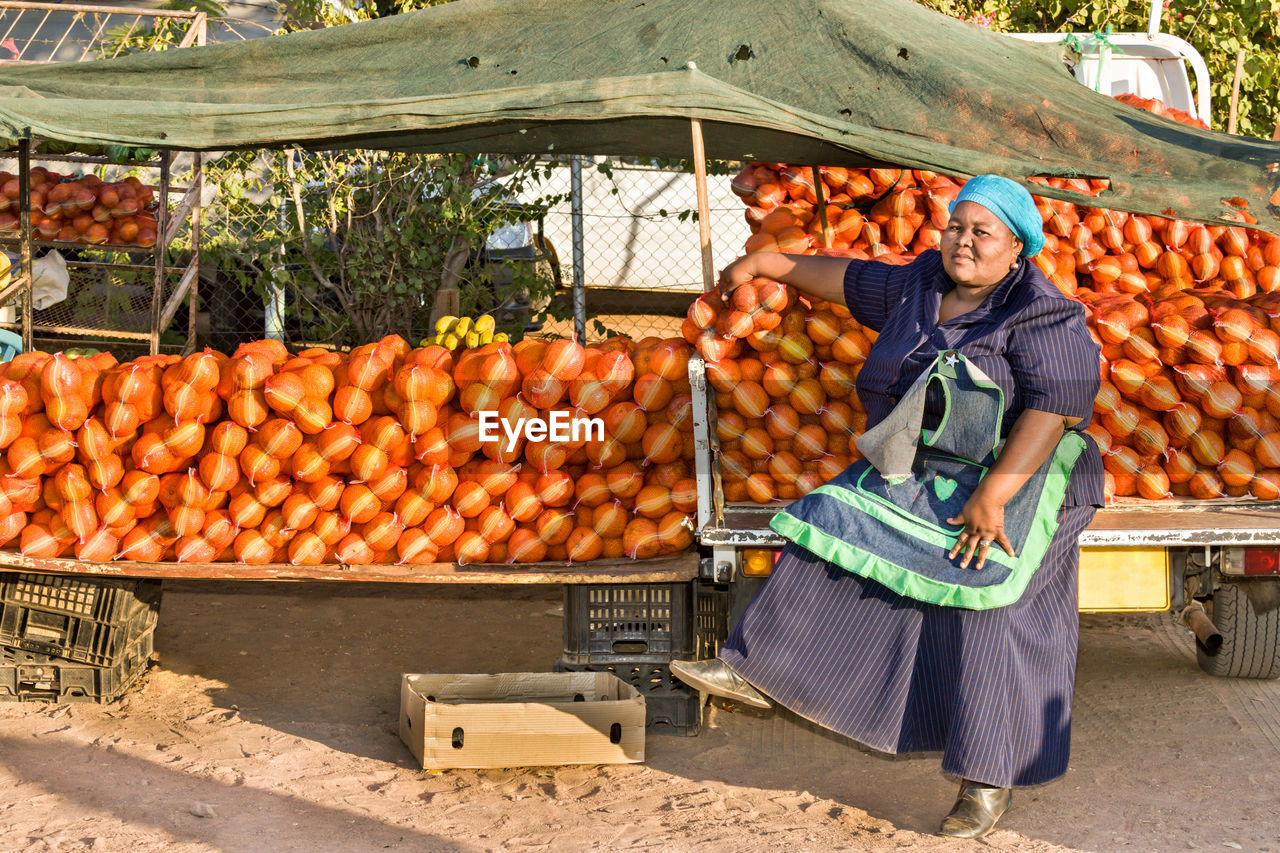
97,271
148,314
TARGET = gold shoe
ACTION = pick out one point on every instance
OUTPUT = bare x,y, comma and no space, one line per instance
976,810
717,678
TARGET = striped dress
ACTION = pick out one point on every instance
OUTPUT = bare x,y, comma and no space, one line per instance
990,689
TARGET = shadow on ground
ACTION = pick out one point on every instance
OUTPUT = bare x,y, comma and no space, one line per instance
142,794
324,661
1157,745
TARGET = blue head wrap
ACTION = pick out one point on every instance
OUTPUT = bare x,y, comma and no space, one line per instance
1012,204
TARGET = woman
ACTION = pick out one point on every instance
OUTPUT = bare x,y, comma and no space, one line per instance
990,689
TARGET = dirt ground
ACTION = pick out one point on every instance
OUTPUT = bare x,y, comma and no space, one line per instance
270,724
634,326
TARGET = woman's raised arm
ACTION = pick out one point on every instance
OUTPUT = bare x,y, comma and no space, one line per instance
814,275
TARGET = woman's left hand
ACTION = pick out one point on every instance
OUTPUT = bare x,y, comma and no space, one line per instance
1033,437
983,520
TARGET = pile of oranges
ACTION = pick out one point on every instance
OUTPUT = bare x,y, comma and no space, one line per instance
870,213
786,411
81,209
1190,399
374,456
1152,105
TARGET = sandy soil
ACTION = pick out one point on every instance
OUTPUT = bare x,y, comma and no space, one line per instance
270,724
635,326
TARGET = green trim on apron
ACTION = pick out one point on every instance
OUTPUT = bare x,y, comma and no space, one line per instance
884,517
907,582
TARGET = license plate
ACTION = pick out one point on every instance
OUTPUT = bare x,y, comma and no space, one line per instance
1119,579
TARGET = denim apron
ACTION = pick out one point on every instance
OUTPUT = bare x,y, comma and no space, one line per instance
884,517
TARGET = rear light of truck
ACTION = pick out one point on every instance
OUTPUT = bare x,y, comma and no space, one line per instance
1262,561
758,562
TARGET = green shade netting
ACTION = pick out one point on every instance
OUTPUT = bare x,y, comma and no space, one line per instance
830,82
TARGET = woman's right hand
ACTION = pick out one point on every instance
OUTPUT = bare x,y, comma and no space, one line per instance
736,274
814,275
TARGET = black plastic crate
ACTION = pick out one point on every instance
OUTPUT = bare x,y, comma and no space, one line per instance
91,622
109,601
670,707
678,713
30,677
713,602
628,622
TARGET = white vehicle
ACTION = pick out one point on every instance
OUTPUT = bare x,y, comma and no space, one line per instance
1150,65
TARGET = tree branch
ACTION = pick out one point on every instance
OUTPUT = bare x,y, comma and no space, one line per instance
296,193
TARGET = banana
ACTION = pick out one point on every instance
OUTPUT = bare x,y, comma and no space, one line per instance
486,337
501,338
464,326
472,339
450,341
445,324
485,323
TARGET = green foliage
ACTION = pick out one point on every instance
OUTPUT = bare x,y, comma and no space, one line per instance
361,241
1216,28
312,14
143,35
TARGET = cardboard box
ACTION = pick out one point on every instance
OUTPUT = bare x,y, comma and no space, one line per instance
523,719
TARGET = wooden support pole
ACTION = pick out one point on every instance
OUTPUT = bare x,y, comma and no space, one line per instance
704,206
1235,91
181,213
83,331
181,292
822,208
17,283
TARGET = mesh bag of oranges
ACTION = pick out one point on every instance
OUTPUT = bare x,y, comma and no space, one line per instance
380,455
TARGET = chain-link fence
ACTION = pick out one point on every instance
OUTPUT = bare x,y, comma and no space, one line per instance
274,245
641,261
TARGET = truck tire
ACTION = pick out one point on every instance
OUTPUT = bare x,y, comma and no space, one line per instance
1250,641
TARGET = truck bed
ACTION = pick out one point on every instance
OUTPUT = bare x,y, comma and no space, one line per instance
1126,524
681,567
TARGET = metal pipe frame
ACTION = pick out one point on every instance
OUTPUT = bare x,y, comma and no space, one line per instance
161,249
107,10
24,227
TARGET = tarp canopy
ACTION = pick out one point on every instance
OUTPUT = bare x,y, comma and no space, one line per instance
829,82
